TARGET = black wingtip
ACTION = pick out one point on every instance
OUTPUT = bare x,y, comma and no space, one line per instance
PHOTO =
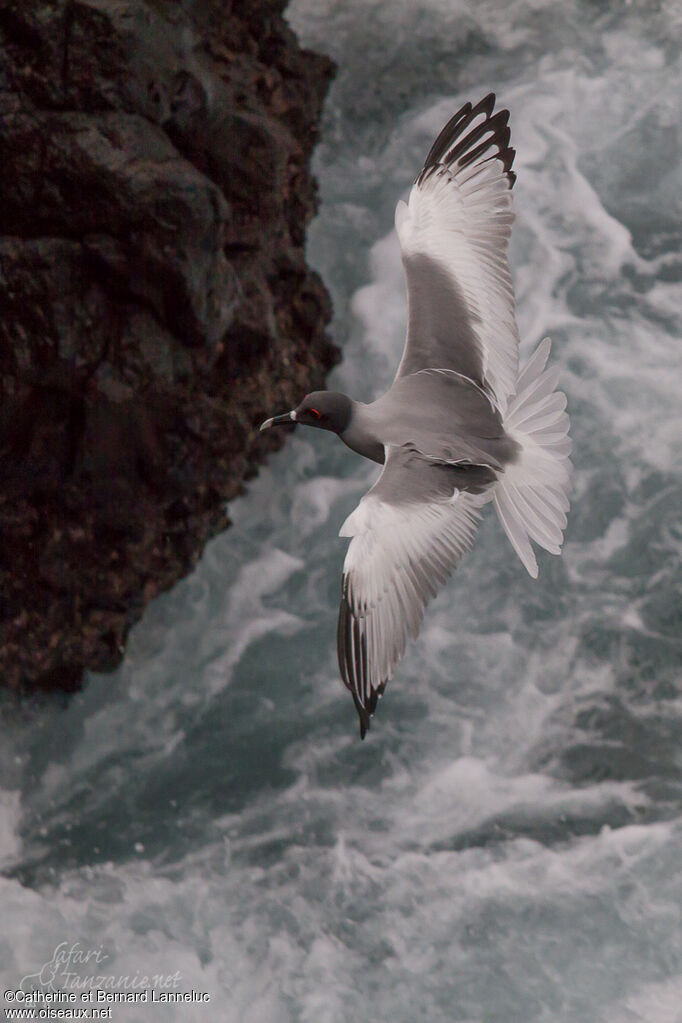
451,130
353,665
487,104
366,713
364,718
457,143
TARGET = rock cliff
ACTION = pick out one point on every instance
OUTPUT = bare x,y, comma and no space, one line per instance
155,303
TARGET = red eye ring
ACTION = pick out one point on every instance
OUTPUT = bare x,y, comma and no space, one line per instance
315,413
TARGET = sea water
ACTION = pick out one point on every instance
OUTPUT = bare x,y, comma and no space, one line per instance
506,844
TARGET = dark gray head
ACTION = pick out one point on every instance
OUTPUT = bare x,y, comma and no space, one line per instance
327,410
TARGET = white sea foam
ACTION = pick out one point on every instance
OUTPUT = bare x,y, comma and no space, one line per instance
246,618
352,906
505,844
651,1003
10,809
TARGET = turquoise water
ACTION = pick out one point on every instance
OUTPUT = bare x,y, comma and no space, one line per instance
505,845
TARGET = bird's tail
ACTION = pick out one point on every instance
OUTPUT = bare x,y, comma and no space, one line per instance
531,496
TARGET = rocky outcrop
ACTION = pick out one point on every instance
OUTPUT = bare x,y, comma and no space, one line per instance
155,303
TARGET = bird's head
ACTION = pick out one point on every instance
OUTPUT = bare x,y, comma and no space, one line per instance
327,410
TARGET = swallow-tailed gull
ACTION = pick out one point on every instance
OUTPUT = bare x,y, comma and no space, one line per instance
460,425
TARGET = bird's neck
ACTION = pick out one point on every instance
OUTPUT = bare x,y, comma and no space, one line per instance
360,435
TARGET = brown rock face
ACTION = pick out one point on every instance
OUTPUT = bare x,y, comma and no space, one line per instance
155,303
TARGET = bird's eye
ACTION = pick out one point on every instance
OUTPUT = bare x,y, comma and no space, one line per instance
314,412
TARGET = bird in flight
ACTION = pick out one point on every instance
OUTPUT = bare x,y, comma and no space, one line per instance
460,425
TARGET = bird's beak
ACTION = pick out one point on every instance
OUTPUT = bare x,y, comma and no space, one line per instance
286,417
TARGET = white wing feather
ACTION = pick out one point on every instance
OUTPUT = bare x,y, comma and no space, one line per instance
459,217
398,558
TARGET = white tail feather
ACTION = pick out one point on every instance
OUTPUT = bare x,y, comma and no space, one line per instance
531,497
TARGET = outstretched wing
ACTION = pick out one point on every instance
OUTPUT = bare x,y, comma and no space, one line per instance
408,533
454,232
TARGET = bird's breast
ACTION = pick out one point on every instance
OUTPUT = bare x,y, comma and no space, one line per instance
361,435
366,447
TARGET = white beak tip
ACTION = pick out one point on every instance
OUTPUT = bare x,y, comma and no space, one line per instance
277,420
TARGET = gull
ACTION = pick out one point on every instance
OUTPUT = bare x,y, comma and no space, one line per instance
460,426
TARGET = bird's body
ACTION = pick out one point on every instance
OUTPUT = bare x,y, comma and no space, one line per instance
443,415
459,426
